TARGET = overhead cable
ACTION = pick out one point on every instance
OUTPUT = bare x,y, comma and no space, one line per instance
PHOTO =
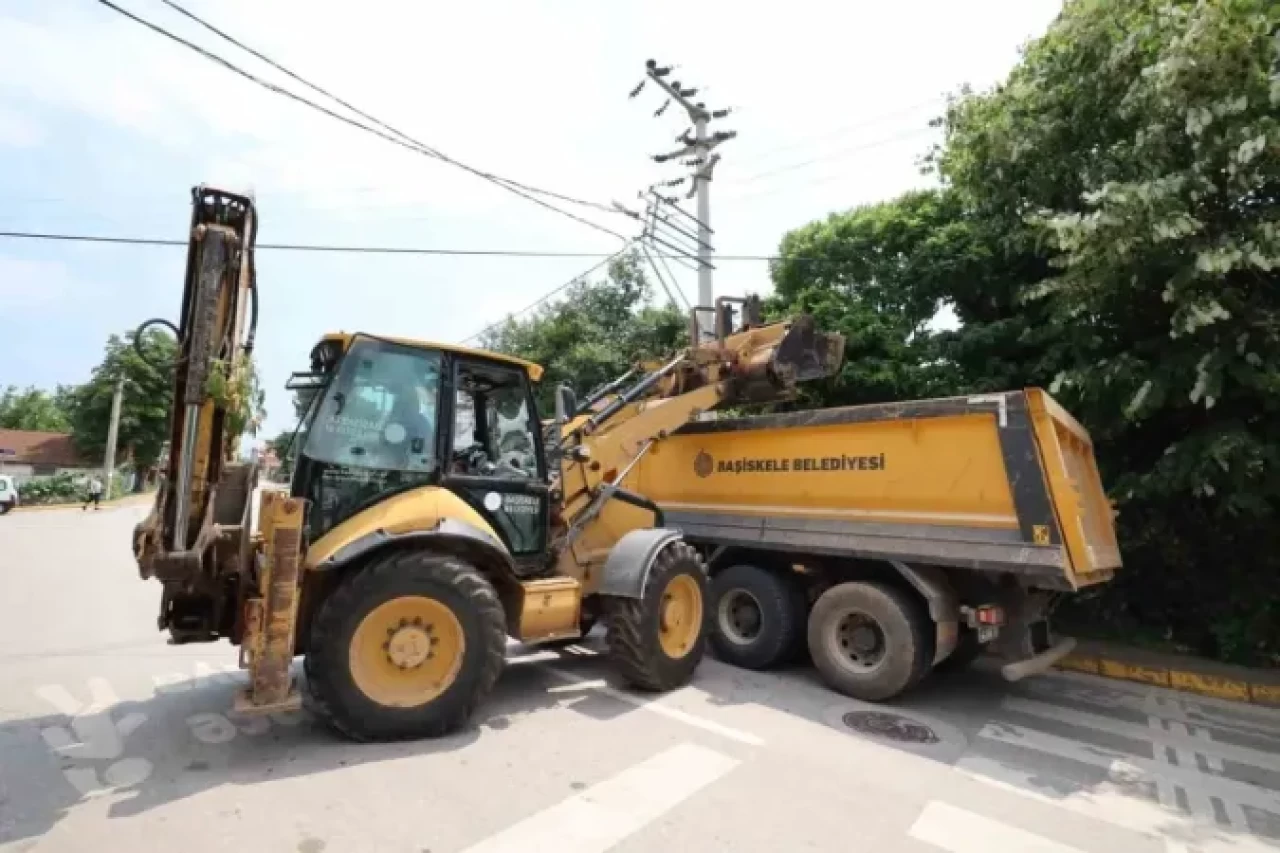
395,137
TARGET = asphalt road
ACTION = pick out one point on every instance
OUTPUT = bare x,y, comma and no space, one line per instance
112,740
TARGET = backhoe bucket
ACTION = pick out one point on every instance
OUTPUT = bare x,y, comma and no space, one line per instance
772,371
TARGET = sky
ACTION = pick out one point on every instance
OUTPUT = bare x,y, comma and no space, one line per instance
105,127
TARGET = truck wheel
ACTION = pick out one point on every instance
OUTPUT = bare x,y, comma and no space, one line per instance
658,641
759,616
405,647
869,641
5,506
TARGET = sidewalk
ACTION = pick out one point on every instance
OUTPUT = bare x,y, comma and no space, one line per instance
1177,672
127,500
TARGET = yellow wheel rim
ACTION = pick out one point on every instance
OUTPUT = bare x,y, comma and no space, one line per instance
407,651
680,621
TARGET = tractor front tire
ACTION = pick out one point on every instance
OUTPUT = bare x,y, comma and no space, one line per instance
658,640
406,647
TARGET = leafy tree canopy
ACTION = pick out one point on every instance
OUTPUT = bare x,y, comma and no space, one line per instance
596,333
144,413
34,409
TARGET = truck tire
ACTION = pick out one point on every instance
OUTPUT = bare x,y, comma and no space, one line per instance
5,506
405,647
870,641
758,616
657,641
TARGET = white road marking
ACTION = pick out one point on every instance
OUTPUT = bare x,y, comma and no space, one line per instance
656,707
1108,802
605,814
1144,769
1200,742
962,831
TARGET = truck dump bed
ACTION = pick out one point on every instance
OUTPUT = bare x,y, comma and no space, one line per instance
1003,482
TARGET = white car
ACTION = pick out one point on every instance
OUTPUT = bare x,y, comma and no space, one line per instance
8,493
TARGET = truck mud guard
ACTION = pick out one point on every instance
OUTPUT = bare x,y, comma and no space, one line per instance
627,568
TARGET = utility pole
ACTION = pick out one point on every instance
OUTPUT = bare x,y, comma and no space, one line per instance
113,431
699,153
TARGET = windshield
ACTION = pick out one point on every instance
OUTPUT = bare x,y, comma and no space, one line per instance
379,412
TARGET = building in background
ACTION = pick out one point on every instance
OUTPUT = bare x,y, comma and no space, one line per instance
26,454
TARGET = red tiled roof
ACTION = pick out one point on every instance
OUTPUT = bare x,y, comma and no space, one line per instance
39,448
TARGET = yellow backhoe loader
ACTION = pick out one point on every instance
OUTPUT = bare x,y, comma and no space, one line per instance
430,515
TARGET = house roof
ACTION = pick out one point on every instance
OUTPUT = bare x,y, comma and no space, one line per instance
29,447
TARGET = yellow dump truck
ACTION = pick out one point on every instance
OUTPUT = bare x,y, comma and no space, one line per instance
891,538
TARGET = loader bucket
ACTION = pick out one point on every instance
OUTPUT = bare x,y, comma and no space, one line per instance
801,354
805,354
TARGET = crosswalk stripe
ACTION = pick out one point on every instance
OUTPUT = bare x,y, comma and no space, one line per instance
1132,766
1160,736
603,815
961,831
1108,803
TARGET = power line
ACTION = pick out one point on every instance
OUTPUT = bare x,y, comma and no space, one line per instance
395,138
551,293
843,130
364,115
906,134
365,250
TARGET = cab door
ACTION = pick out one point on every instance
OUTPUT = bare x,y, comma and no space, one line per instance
494,454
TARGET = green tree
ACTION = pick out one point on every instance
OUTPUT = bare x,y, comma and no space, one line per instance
1136,149
1106,227
596,333
34,409
144,412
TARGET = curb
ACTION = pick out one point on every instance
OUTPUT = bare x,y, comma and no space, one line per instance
1184,676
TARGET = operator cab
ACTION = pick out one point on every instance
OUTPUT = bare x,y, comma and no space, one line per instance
382,416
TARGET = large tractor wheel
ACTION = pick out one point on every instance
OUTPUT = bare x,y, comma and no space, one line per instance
759,616
658,641
406,647
869,640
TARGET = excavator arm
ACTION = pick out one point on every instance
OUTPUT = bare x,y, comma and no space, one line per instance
198,528
607,436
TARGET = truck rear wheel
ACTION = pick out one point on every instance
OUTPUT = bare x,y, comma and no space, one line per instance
405,647
758,616
869,640
657,641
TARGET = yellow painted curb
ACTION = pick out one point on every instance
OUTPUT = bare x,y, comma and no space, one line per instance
1188,681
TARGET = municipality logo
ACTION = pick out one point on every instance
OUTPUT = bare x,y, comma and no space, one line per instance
703,464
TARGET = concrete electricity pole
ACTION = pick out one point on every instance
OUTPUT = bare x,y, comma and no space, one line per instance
113,431
699,153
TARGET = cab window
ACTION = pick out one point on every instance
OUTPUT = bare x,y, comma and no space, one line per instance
493,433
379,412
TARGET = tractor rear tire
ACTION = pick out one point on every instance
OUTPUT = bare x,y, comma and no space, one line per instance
405,647
657,641
870,641
758,616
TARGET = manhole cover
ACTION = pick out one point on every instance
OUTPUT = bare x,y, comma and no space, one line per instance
890,726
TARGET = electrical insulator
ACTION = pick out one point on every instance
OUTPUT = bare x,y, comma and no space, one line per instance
688,93
636,91
717,113
662,109
696,161
661,158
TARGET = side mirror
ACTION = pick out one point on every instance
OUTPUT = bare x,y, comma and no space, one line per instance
566,403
